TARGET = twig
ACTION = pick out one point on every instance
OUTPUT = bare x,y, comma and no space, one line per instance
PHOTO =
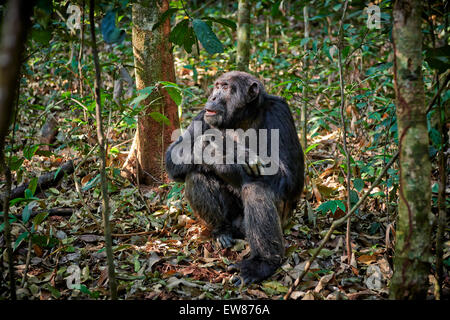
344,131
438,93
102,145
6,197
304,109
27,263
127,235
80,54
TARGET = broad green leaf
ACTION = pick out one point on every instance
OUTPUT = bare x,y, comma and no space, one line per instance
160,118
15,163
39,218
56,173
438,58
275,285
175,95
358,184
353,197
167,14
28,194
26,213
341,205
55,292
142,95
20,239
91,183
207,37
179,32
223,21
33,185
29,151
311,147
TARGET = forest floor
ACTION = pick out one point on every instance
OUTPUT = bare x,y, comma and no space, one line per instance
161,250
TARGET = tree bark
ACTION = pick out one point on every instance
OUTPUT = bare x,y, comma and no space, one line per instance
243,35
153,62
412,252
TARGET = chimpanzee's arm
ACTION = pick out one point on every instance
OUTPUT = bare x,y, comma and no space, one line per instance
177,171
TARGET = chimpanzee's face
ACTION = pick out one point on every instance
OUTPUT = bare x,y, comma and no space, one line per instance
231,93
218,107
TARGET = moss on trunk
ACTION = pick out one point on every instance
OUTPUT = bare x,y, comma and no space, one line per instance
243,35
412,257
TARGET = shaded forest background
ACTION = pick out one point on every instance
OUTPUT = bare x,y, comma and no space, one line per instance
160,249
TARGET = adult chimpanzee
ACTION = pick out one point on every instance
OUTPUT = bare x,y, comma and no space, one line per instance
242,199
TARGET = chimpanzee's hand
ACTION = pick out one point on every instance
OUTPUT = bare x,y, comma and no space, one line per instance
254,165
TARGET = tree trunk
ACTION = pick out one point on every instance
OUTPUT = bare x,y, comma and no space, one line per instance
412,257
243,35
153,62
14,31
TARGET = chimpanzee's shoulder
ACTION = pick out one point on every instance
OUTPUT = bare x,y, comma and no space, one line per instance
276,104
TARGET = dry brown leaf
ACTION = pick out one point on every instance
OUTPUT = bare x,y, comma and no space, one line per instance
260,294
38,250
308,296
323,282
86,178
297,294
367,259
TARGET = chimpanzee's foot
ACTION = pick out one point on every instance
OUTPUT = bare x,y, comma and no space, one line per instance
225,240
253,270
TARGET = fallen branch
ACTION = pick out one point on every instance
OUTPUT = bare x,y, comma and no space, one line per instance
64,212
45,181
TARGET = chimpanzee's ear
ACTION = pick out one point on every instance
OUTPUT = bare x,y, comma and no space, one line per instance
253,91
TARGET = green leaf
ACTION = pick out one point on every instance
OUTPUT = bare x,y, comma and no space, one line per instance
175,95
55,292
20,239
311,147
15,163
16,200
438,58
26,213
29,151
223,21
327,206
435,137
160,118
39,218
142,95
358,184
91,183
179,31
56,173
207,37
275,285
354,198
167,14
41,36
44,241
28,194
324,253
340,204
33,185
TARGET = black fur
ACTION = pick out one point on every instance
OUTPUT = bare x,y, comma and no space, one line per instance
233,203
